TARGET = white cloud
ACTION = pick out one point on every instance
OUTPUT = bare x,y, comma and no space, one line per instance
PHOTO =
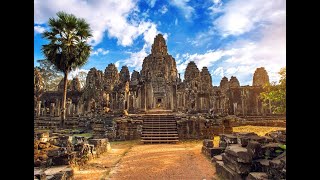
151,3
117,64
216,1
100,51
243,16
39,29
202,60
135,60
103,16
185,8
241,58
164,9
219,72
176,22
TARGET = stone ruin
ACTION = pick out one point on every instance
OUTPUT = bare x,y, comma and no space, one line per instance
55,154
158,85
248,156
101,107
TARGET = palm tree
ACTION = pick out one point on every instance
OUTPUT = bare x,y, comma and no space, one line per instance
67,48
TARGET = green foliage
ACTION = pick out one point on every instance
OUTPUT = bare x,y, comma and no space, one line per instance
282,146
67,48
51,76
276,94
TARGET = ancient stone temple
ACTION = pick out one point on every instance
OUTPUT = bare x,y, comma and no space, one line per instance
159,86
159,77
260,77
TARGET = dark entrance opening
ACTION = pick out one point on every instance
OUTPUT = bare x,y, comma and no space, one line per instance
159,100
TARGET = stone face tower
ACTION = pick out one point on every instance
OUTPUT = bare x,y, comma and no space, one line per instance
111,77
260,77
234,82
159,74
124,74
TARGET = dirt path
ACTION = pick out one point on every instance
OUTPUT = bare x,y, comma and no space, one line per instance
100,168
134,160
164,161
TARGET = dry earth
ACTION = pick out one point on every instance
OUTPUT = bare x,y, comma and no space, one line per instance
134,160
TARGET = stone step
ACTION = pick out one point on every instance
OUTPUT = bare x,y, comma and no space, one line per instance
159,127
160,137
159,132
154,134
160,140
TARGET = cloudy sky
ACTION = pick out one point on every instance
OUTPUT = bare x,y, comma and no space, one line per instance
230,37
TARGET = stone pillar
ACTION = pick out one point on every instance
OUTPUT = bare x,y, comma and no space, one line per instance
145,98
52,109
68,107
257,105
73,110
38,108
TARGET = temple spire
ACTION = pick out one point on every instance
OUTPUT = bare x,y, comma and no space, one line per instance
159,45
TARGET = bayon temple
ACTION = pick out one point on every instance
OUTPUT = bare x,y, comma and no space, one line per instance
157,86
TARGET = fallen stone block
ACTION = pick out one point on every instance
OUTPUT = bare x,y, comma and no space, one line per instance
243,140
225,172
267,139
208,143
272,150
257,176
229,138
222,144
260,165
65,159
56,152
278,136
238,167
216,158
240,153
215,151
276,170
59,172
255,149
257,138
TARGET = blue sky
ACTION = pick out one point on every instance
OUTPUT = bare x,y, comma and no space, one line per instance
231,38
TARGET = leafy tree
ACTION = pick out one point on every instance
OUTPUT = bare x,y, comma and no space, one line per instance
51,76
67,48
275,94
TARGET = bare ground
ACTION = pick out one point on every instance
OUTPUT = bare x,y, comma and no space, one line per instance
134,160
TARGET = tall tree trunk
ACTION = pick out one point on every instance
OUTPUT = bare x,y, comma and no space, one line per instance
63,112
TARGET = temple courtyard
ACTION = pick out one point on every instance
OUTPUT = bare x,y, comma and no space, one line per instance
135,160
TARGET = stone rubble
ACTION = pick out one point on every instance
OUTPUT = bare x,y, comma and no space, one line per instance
54,156
249,156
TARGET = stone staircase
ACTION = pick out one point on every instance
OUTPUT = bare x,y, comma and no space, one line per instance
160,128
